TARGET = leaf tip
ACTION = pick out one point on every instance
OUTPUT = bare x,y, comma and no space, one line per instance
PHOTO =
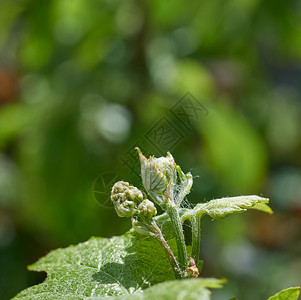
139,151
31,267
141,156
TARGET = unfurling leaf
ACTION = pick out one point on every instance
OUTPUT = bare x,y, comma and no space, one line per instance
164,180
153,179
186,182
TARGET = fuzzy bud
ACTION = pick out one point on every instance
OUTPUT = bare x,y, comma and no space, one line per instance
125,198
147,209
167,166
164,180
157,173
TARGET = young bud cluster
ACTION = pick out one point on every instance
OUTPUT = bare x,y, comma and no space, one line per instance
125,198
128,202
147,209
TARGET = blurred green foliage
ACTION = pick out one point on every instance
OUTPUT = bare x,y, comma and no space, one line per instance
82,81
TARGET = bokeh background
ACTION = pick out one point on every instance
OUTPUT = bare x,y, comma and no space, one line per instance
82,82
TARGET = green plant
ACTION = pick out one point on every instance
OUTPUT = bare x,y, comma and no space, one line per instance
152,259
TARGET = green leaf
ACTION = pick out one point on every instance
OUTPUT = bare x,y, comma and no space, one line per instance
120,267
188,289
287,294
100,267
220,208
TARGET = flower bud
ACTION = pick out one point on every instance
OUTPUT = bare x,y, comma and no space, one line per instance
125,198
147,209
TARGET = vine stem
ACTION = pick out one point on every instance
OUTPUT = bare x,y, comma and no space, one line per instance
180,239
195,221
161,240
